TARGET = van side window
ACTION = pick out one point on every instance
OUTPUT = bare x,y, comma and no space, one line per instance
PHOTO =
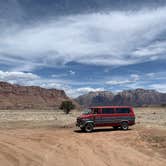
108,110
123,110
96,111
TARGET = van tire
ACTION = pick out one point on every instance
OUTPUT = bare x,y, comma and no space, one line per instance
124,126
89,127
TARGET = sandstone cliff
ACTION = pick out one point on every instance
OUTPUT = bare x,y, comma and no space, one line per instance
137,97
29,97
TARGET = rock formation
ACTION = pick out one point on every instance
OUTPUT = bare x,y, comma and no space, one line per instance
137,97
29,97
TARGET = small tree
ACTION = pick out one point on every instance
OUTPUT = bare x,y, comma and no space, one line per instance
67,106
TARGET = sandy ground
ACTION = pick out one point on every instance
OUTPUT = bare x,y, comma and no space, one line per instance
65,147
24,143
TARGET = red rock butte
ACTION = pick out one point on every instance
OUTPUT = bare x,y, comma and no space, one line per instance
30,97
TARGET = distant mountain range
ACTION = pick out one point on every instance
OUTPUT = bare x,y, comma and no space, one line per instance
30,97
34,97
138,97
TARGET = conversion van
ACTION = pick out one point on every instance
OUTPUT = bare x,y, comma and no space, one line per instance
102,116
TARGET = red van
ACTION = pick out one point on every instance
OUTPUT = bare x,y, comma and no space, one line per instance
101,116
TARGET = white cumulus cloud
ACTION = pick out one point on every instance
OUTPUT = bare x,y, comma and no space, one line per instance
17,77
30,79
159,87
74,92
122,81
115,38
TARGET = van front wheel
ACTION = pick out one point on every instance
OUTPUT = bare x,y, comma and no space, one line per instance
89,128
124,126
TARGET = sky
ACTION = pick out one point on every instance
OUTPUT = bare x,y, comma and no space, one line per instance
83,46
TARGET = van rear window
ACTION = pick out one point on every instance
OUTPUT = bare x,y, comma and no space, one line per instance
122,110
108,110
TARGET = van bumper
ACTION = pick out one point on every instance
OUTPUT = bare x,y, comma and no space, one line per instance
79,123
132,123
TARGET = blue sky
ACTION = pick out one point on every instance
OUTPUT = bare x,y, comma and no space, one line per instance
84,46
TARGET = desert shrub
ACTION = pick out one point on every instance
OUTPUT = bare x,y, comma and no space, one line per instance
67,106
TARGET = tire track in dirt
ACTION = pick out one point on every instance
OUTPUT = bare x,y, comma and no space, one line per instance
64,147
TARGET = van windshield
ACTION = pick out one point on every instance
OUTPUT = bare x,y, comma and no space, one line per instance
87,111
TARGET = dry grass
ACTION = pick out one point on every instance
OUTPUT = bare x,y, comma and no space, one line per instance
151,116
147,116
33,118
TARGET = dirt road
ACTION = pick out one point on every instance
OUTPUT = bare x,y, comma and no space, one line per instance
66,147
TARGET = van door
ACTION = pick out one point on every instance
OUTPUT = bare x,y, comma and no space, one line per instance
97,116
122,114
107,116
